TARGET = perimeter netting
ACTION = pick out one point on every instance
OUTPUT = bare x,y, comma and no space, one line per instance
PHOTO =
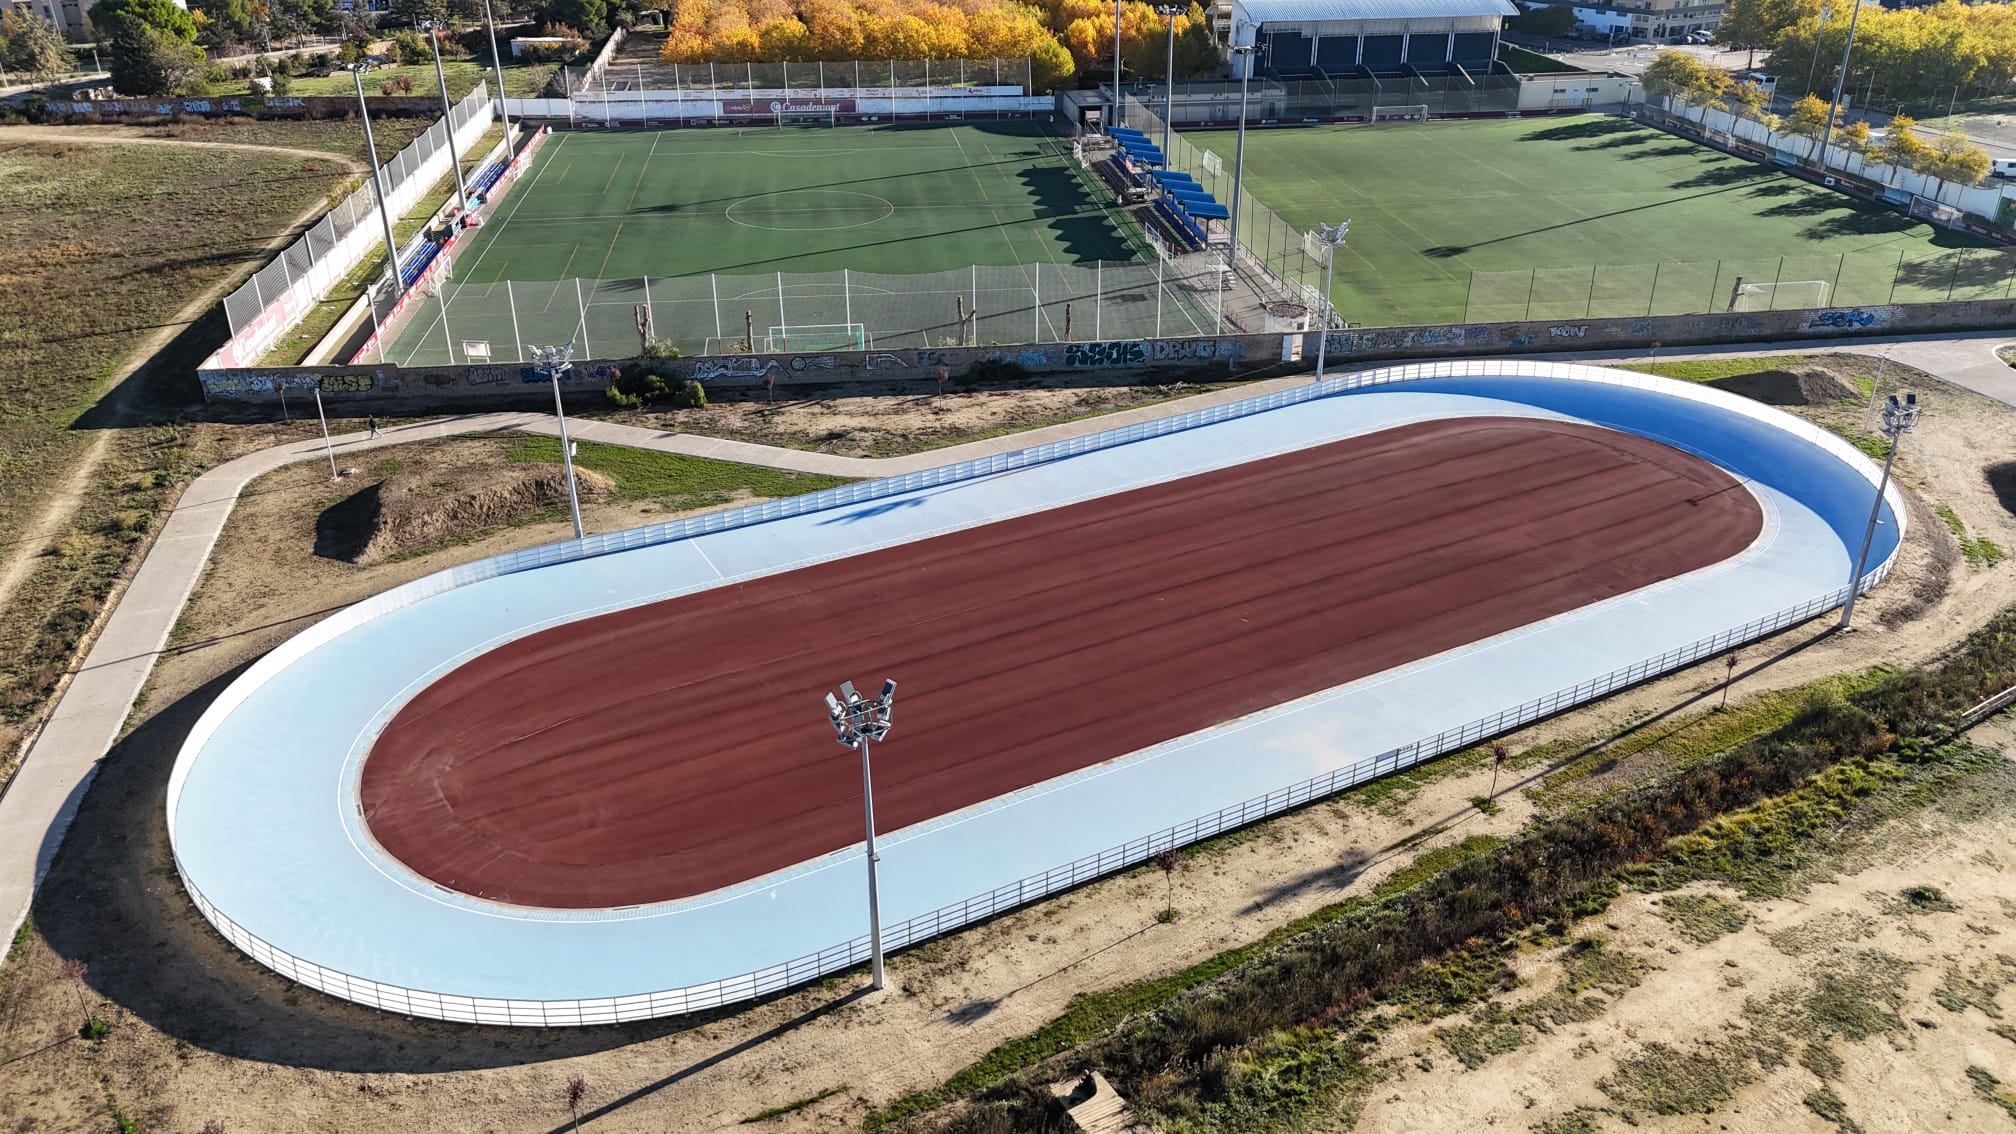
1783,295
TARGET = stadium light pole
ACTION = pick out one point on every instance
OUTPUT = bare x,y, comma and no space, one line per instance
497,67
378,188
1813,68
447,110
1169,73
1243,59
1117,117
1332,238
553,361
1833,108
858,721
1900,416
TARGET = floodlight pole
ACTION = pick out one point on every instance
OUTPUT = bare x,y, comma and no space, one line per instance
448,111
857,721
1242,57
1833,108
1332,238
554,361
378,190
327,446
1169,75
497,67
1900,416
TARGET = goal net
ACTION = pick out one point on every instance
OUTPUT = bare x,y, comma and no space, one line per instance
1400,113
813,116
1210,163
816,336
1792,295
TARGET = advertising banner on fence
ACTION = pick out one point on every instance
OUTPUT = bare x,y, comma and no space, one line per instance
794,106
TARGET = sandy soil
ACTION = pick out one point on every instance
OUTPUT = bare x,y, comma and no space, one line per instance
1710,1001
882,420
200,1032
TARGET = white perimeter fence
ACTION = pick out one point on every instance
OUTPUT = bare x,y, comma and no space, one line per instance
280,294
773,978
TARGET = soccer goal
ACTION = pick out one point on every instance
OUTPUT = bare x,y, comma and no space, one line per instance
1400,113
1211,163
1785,295
807,116
817,336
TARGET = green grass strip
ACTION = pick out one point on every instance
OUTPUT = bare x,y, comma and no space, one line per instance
679,480
1710,369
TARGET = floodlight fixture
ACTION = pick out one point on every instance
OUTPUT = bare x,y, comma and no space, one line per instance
1331,236
553,361
858,722
1900,416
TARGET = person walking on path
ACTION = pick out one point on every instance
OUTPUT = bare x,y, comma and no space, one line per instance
372,422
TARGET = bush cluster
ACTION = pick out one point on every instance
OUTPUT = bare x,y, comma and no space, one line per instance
640,384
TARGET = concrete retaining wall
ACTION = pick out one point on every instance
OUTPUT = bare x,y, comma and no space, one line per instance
1122,361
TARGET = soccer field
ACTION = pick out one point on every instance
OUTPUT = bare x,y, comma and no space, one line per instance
741,228
1588,216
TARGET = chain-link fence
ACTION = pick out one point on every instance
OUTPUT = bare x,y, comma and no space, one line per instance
1759,283
637,67
270,283
1278,250
823,311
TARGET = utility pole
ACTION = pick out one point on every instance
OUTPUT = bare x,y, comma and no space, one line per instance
1900,416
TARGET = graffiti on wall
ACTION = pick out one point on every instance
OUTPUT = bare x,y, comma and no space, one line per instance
1851,318
708,369
1130,352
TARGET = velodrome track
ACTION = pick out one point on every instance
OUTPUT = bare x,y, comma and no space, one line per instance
274,846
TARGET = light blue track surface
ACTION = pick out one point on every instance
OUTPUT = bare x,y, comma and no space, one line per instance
265,824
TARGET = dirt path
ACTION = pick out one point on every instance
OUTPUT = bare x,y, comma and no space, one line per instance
66,497
134,136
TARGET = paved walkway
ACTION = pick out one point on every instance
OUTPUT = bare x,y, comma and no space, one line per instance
37,807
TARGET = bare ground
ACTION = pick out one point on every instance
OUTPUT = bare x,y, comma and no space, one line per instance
1722,1032
200,1032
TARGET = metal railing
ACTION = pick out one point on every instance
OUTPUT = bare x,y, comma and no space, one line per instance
276,279
847,954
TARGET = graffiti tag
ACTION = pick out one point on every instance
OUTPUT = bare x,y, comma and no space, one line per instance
1845,320
1130,353
344,383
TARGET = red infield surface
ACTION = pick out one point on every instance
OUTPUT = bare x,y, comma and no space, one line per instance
673,749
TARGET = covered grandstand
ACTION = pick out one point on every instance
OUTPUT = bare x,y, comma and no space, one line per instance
1344,58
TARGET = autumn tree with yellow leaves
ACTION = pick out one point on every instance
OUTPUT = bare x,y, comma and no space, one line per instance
1060,37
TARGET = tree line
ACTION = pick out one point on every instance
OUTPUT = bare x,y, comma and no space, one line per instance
1949,157
1060,37
1904,54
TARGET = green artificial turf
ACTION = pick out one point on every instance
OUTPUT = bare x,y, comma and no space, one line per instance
1587,217
712,216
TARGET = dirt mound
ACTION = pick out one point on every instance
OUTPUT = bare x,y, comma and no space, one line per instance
1787,387
406,513
2002,482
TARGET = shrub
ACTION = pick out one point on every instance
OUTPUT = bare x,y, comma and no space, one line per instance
410,47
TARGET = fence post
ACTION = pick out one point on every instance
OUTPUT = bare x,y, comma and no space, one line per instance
1895,275
1036,303
1158,296
783,324
511,301
846,286
973,308
1098,297
586,350
714,285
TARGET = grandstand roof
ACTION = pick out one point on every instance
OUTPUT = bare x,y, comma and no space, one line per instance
1313,11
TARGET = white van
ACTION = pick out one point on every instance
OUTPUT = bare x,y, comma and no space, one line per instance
2002,167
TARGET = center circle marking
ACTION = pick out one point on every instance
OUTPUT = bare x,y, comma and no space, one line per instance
782,211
